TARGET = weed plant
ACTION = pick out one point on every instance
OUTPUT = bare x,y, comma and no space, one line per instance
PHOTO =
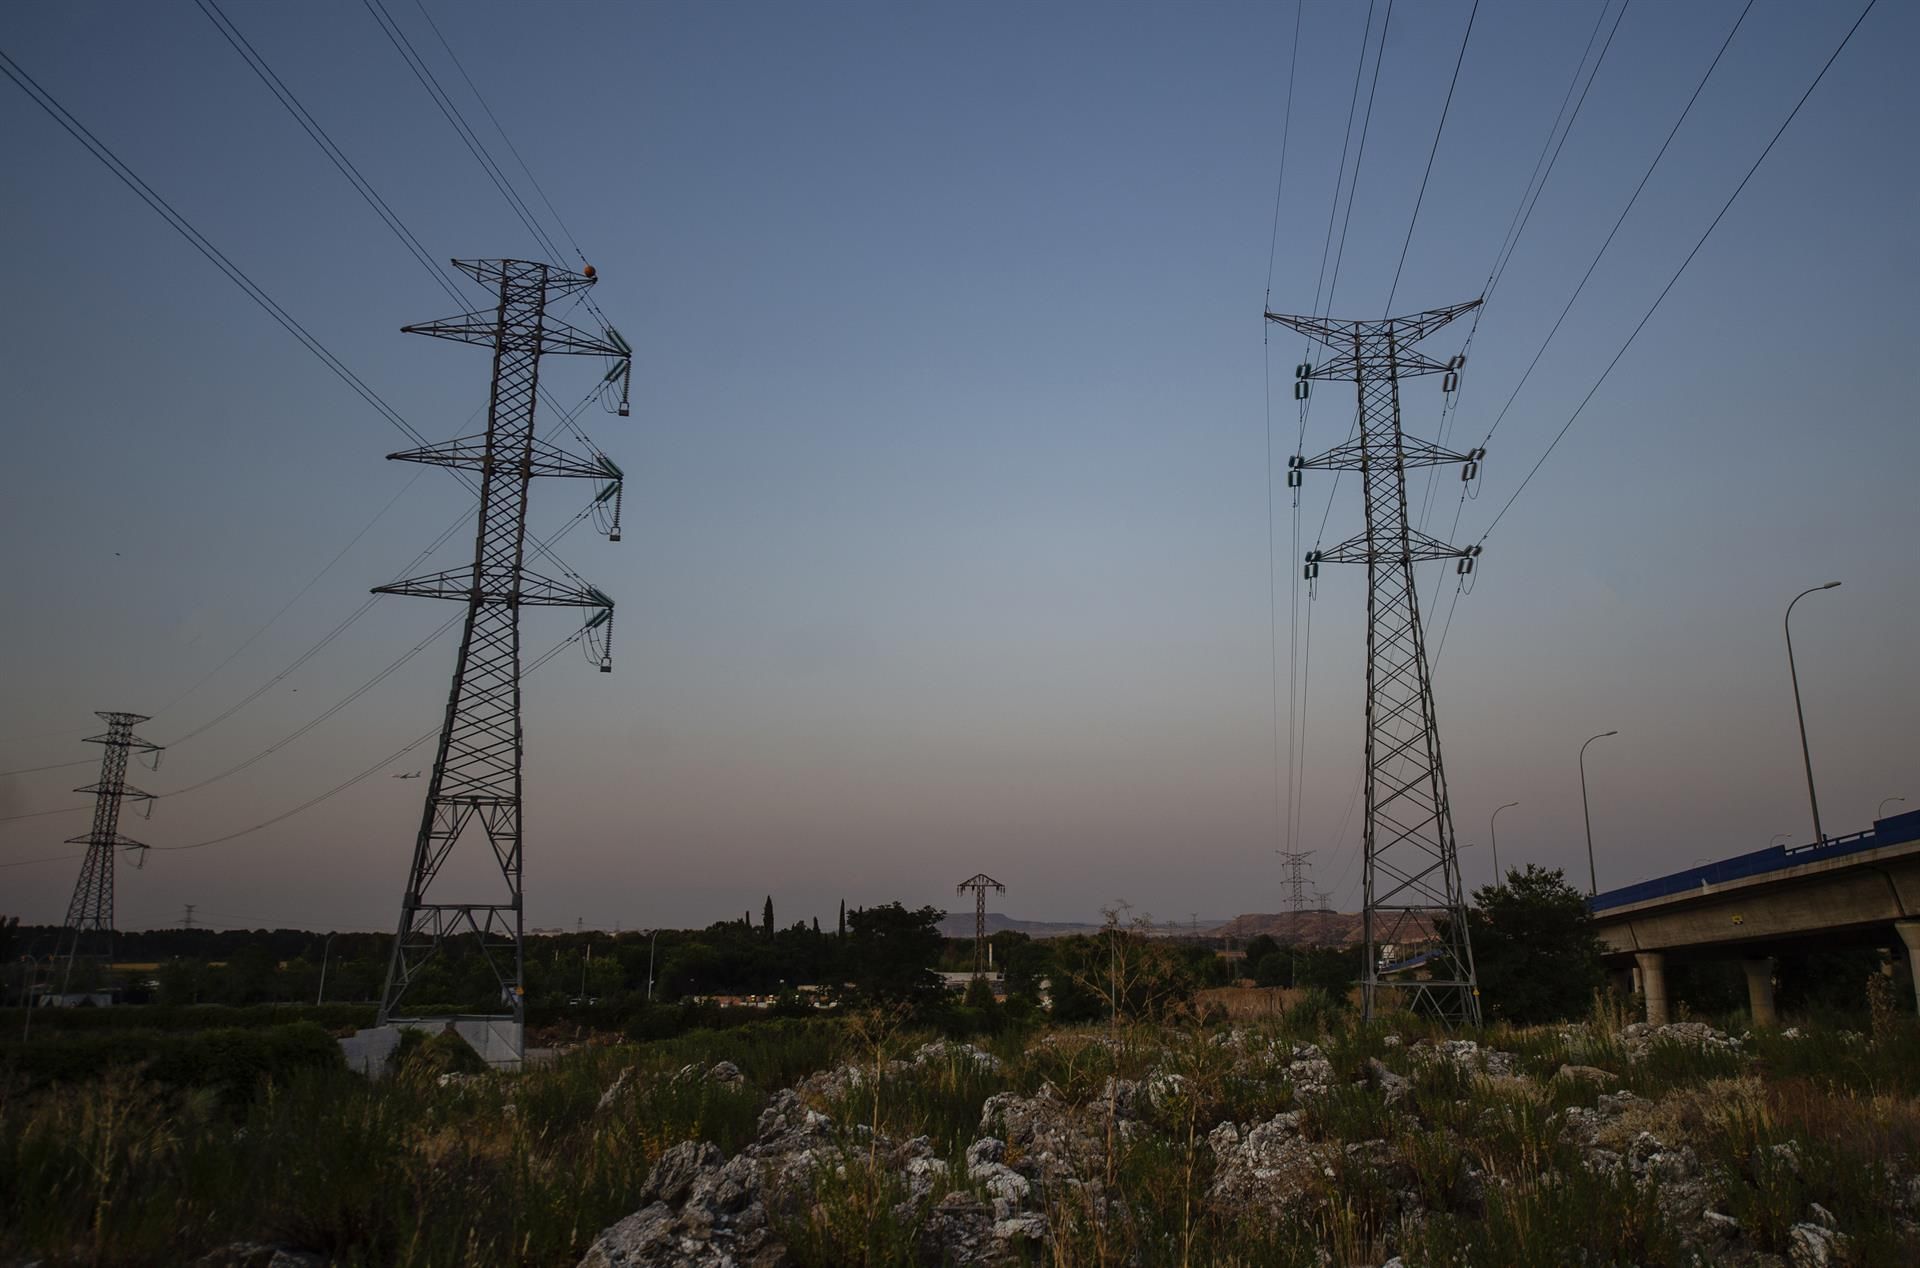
125,1168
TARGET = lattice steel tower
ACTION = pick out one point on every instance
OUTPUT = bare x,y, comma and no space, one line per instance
1296,862
89,928
1412,874
476,770
979,883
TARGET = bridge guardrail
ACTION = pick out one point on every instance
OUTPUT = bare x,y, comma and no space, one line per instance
1884,832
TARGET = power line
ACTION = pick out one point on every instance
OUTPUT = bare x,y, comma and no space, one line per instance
351,696
1543,167
1266,355
1620,220
511,147
334,153
1296,777
1439,128
247,642
334,791
1286,132
1525,212
1360,155
42,814
1668,288
424,74
30,770
199,241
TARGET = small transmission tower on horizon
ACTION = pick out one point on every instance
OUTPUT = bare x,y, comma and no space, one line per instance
477,766
980,884
89,927
1296,863
1412,872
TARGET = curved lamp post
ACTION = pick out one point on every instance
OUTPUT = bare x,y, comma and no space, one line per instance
1881,813
1813,802
326,950
1494,837
1593,878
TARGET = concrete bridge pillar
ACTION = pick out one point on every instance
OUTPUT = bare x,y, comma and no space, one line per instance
1909,931
1622,981
1653,983
1760,990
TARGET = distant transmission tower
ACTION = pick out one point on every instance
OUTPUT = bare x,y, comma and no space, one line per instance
476,770
979,884
1296,861
1322,900
1412,874
89,927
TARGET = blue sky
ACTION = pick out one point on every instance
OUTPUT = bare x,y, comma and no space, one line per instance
946,528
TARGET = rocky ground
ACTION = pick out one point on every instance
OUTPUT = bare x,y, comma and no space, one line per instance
1438,1133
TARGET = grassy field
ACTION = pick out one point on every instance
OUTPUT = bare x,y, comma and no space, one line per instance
1442,1159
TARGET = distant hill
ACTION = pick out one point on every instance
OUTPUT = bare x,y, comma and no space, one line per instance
1312,928
959,924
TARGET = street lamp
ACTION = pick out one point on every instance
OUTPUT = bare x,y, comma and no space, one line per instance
1819,837
1593,878
1776,838
321,994
1470,845
655,937
1881,813
1495,837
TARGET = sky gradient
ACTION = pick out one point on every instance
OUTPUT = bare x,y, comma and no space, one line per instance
946,541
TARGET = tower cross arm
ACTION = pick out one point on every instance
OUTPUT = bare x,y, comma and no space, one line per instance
1355,456
117,840
471,453
534,590
1420,548
980,881
483,328
1410,329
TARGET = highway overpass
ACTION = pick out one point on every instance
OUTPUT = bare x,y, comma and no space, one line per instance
1863,888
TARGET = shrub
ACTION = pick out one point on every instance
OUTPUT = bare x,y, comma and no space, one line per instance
231,1061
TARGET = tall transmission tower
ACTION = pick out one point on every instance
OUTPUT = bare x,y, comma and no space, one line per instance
980,884
1412,873
89,927
477,767
1296,862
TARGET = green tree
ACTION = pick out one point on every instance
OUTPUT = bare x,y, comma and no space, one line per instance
1275,968
1330,971
1534,948
766,919
890,949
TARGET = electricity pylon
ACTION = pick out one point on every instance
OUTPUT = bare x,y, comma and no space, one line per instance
1296,861
90,913
476,770
1412,873
979,884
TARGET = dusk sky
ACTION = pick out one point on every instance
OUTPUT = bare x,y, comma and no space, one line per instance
947,519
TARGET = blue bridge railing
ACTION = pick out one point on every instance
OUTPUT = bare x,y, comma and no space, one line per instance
1884,832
